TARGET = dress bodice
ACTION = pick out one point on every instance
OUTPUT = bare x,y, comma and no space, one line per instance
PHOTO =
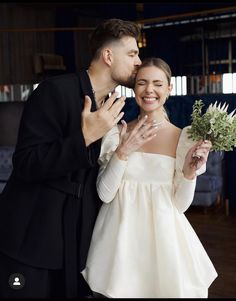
150,168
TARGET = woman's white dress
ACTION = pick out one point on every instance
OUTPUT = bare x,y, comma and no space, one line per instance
143,245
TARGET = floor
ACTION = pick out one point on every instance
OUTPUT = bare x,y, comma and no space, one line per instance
217,233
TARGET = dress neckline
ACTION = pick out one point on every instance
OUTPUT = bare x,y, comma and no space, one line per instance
158,154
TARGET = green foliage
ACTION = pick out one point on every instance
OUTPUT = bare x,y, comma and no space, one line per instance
215,125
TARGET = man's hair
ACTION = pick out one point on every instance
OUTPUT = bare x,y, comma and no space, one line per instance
111,30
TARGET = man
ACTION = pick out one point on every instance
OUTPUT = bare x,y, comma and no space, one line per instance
49,205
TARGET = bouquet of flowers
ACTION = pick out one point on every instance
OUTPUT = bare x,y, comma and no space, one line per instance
215,125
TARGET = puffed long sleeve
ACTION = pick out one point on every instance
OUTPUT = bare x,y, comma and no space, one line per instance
183,188
111,167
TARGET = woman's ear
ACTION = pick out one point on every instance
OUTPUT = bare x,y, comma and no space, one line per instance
170,89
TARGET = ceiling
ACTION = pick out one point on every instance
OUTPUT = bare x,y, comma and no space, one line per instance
133,11
178,32
149,15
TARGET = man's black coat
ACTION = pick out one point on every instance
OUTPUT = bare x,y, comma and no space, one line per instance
49,205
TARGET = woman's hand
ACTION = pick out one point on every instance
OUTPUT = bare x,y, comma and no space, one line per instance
195,158
133,140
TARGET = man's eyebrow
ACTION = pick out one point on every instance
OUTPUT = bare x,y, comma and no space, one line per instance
135,51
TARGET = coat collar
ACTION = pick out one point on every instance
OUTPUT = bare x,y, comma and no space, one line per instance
86,87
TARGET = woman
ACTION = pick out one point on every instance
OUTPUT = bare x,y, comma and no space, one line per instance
142,244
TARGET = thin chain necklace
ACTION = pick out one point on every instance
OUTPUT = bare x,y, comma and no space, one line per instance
93,93
91,86
103,101
154,122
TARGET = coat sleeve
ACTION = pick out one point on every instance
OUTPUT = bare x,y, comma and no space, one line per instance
183,188
111,167
48,145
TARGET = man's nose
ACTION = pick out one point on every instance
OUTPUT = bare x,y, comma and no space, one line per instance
138,61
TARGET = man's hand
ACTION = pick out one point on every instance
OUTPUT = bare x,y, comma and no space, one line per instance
96,124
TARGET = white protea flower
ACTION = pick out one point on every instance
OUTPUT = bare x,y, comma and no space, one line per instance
231,116
218,107
210,108
223,108
214,106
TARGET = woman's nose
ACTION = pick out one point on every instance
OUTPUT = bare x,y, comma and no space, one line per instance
149,88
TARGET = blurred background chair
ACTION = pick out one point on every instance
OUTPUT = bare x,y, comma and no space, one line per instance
209,190
6,153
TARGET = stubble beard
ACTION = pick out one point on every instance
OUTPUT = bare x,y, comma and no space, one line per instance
129,82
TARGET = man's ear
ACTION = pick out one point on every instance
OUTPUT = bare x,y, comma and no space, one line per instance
107,56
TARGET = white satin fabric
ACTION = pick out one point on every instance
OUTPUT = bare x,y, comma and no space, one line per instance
143,245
